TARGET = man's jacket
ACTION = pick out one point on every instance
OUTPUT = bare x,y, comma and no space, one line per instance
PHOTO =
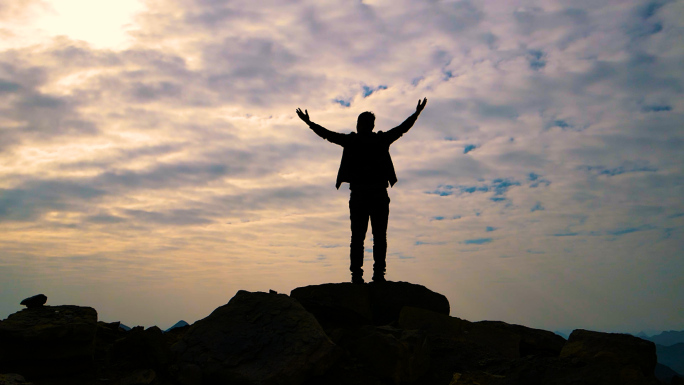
366,159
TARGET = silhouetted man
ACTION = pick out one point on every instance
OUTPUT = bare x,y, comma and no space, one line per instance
367,167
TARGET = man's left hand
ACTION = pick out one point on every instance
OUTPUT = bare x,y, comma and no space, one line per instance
421,105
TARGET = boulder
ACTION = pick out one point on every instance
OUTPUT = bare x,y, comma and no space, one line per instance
476,378
606,359
336,304
257,338
480,338
392,354
377,355
107,334
35,301
611,349
139,377
141,349
535,342
48,341
388,298
432,322
347,304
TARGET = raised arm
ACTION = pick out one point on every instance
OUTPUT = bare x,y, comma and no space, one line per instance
401,129
331,136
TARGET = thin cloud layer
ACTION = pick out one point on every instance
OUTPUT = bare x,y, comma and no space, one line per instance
541,185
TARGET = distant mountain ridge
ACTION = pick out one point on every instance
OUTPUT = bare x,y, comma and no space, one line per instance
178,324
667,338
672,356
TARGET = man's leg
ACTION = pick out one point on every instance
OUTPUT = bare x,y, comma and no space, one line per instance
379,217
358,213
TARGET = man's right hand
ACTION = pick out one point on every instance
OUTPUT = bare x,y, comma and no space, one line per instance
303,115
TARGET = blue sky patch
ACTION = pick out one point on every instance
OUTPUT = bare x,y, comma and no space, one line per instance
368,91
442,190
646,11
537,207
477,241
629,230
498,186
537,59
421,243
490,228
563,124
537,180
330,246
342,102
468,148
628,167
501,185
656,108
7,87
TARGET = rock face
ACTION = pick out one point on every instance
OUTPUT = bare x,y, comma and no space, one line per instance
48,340
13,379
257,338
344,304
394,333
35,301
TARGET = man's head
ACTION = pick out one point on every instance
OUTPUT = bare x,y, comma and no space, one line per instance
365,123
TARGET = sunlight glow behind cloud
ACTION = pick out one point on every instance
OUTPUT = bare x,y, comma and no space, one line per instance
103,24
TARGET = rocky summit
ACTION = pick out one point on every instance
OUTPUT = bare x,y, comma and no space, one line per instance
342,333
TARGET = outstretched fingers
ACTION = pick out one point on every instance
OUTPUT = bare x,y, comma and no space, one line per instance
303,115
421,104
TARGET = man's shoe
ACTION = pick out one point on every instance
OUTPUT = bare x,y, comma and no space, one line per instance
379,279
358,280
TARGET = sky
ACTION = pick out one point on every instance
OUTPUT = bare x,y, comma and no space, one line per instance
152,163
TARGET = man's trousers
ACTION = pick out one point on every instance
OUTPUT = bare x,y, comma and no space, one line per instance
364,205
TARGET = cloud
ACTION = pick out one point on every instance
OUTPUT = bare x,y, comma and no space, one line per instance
34,198
30,114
